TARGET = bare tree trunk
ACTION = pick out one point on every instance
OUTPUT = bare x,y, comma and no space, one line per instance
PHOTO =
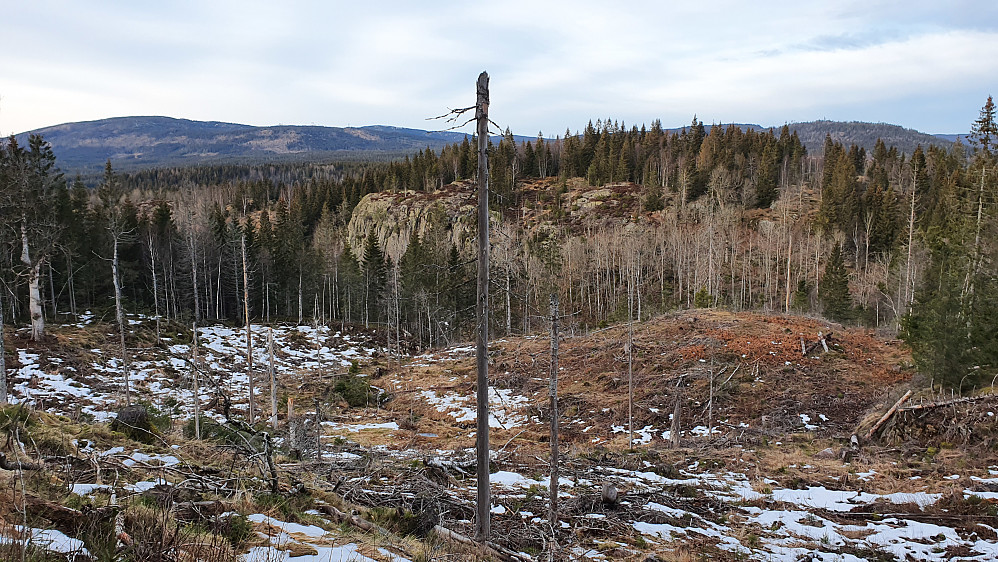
553,394
790,251
249,335
630,361
120,315
197,383
975,264
55,299
909,282
509,309
273,380
192,247
155,284
34,293
3,361
483,523
72,288
674,428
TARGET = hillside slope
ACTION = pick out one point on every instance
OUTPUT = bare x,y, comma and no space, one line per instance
148,142
762,469
145,142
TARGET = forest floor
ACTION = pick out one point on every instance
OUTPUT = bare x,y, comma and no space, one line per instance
762,466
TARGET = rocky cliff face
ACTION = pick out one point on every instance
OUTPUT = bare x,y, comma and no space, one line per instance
395,218
448,216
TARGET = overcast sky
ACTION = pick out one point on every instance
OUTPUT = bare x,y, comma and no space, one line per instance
928,65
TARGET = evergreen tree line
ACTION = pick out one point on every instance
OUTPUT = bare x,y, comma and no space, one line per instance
882,238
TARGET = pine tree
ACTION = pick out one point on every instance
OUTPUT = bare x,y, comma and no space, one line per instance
833,289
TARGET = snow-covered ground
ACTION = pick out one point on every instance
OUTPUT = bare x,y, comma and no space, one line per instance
163,377
757,520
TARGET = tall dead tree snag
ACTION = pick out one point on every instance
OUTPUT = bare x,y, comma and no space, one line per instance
483,523
273,380
249,333
195,375
3,363
553,395
111,194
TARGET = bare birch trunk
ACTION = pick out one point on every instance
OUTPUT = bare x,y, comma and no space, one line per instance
249,335
192,247
120,315
34,293
155,284
273,380
790,251
197,384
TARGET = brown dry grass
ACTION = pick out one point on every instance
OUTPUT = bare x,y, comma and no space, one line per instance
753,349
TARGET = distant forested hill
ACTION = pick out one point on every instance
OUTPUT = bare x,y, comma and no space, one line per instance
865,135
145,142
132,143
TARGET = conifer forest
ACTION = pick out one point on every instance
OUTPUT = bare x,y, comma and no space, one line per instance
730,218
732,345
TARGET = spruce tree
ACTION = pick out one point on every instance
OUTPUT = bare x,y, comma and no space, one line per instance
834,288
984,131
375,275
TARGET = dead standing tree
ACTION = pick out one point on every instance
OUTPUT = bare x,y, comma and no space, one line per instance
481,107
3,363
113,201
482,309
553,395
249,332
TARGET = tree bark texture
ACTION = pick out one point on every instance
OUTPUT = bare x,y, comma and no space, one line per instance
249,335
120,315
482,525
553,395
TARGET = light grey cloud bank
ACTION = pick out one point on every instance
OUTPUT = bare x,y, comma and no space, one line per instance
554,65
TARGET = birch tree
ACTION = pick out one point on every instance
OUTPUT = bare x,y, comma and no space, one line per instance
119,231
30,187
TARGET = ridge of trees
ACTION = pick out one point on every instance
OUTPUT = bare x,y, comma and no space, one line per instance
741,219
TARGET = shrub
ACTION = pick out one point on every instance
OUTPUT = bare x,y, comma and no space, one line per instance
354,389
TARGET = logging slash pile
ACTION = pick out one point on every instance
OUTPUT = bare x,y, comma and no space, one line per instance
754,437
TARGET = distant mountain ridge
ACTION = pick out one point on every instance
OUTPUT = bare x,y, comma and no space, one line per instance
145,142
148,142
812,134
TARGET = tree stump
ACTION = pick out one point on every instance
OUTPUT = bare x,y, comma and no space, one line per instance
134,422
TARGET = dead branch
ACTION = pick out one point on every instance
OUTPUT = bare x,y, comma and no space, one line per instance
492,549
65,517
931,405
358,522
888,415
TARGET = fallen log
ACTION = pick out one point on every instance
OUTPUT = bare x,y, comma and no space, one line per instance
888,415
197,511
492,549
17,465
358,522
931,405
66,518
